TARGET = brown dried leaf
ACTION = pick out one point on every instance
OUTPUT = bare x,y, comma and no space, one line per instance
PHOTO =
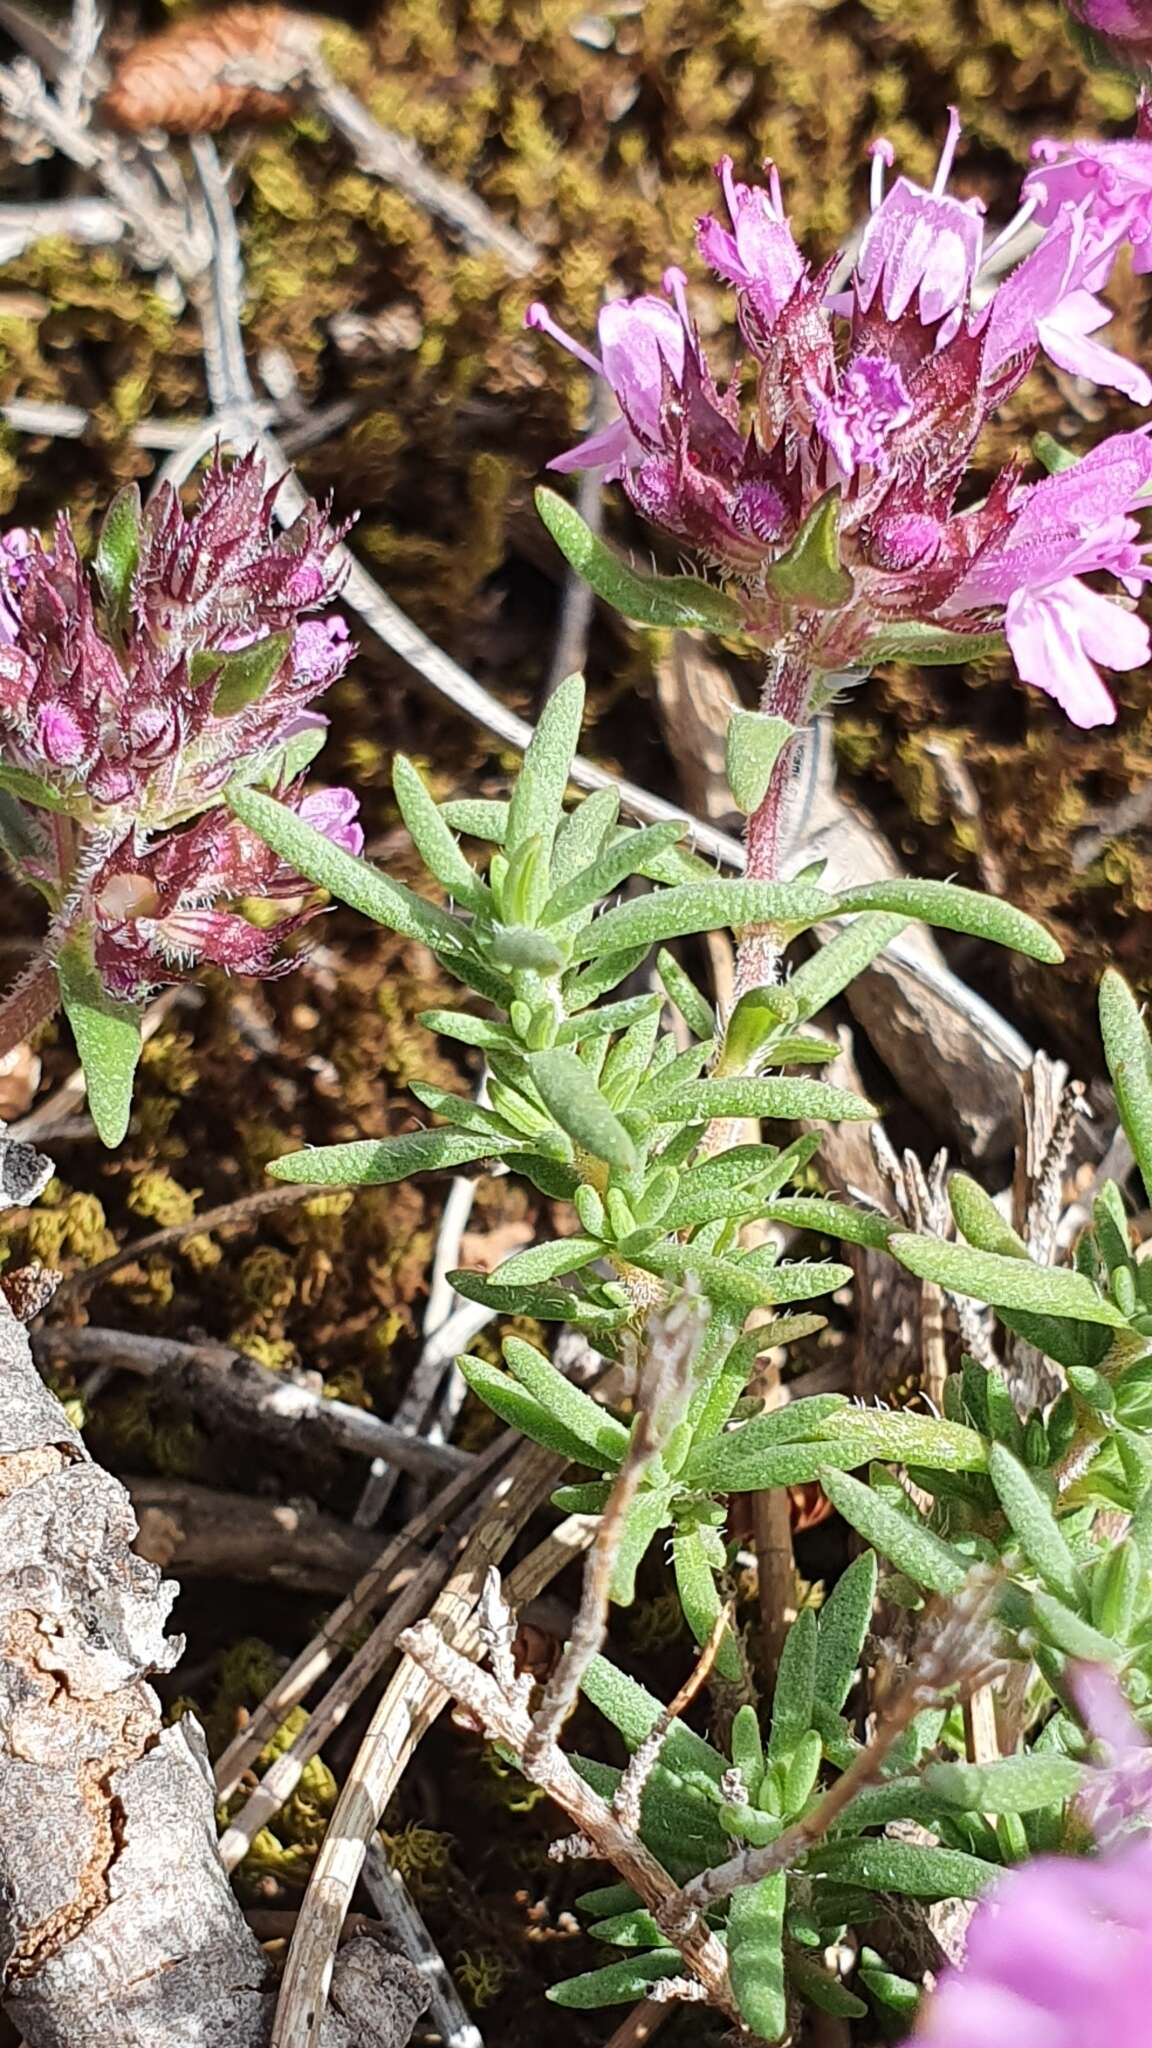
243,63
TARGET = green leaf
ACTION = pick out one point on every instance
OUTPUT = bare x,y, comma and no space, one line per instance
620,1983
603,974
469,1030
703,907
1005,1282
632,1928
733,1183
548,1261
811,573
741,1284
107,1036
118,549
753,744
818,980
649,1512
537,806
795,1686
612,1017
956,910
1051,455
515,1405
831,1219
684,996
572,1097
609,869
756,1020
931,646
823,1990
844,1622
519,949
354,881
898,1994
242,678
433,839
700,1598
979,1220
651,600
584,1419
634,1711
478,817
1012,1784
375,1162
765,1096
1034,1525
1069,1633
903,1867
910,1545
756,1955
1129,1055
32,789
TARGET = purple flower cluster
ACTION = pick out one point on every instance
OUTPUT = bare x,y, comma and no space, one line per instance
124,715
870,394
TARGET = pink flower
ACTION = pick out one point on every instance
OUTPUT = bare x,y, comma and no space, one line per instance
1112,181
1059,1955
875,397
1068,526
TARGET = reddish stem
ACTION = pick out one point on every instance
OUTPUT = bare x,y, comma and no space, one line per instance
30,1003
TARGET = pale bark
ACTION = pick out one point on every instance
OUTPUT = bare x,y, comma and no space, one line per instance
117,1923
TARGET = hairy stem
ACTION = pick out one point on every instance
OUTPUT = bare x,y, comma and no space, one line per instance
786,694
30,1002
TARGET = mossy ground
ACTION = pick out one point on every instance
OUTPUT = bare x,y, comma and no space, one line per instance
595,129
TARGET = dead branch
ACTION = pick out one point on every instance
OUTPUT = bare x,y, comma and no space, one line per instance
244,1402
116,1919
404,1924
204,1534
505,1719
321,1653
406,1711
671,1339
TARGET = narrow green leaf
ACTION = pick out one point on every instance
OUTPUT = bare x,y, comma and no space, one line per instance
684,996
1012,1784
620,1983
844,1622
649,1512
548,1261
795,1686
1129,1055
753,744
703,907
584,1419
612,1017
700,1598
118,549
743,1285
929,646
1069,1633
600,975
1051,455
795,1424
32,789
1034,1525
811,573
243,677
537,806
478,1031
574,1100
107,1036
756,1955
609,869
956,910
374,1162
520,949
831,1219
902,1437
823,1990
433,838
354,881
910,1545
633,1928
899,1995
817,981
1005,1282
634,1712
651,600
477,817
515,1405
979,1220
733,1183
765,1096
903,1867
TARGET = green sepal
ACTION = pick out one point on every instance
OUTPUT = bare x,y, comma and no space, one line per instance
811,574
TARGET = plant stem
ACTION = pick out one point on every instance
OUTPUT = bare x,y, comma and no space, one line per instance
31,1001
786,694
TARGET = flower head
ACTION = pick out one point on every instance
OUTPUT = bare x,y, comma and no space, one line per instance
130,698
869,401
